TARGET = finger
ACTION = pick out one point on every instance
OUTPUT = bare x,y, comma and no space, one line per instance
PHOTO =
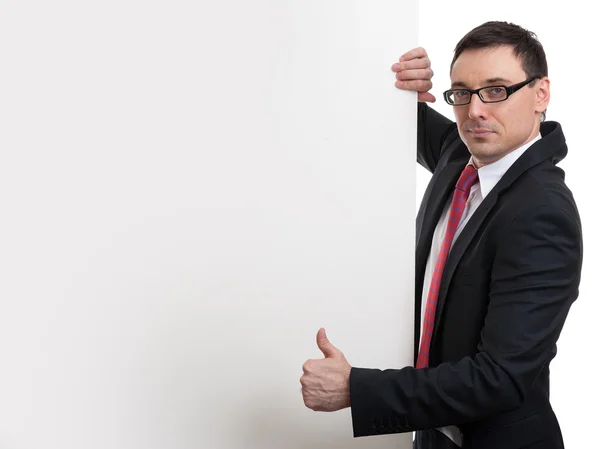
325,345
416,85
303,381
418,52
306,366
422,63
425,97
418,74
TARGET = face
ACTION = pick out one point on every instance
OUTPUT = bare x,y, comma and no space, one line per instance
492,130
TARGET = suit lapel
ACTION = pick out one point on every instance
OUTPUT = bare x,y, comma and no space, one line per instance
458,249
434,200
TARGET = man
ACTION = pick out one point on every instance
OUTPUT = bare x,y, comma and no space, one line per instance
498,261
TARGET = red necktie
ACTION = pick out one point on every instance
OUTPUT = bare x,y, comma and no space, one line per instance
461,192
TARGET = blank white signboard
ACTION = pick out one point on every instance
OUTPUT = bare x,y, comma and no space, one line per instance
188,191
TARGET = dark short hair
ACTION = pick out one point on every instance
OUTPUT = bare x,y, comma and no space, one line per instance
525,44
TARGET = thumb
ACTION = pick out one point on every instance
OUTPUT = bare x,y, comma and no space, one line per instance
328,350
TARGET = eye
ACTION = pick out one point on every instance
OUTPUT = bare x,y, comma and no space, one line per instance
461,93
494,92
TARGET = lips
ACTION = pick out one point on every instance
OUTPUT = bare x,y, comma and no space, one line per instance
480,132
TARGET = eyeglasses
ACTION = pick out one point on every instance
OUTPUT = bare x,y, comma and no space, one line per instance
488,94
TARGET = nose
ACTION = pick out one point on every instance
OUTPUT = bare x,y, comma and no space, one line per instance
477,108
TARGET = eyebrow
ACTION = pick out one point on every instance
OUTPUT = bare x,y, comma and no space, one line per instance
487,82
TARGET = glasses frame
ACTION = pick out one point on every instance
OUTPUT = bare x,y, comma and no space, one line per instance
509,91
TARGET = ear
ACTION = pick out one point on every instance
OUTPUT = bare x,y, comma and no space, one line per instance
542,94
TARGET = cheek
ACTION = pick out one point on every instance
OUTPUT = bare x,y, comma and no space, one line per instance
508,121
516,123
519,117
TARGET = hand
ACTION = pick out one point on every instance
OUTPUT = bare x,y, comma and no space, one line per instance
326,382
413,72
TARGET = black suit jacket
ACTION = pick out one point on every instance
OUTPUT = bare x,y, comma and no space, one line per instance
507,287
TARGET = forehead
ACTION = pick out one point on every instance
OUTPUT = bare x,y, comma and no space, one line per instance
476,66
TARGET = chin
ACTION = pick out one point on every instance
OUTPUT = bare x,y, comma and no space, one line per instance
486,158
478,147
485,152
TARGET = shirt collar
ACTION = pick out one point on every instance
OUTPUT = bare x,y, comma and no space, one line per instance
489,175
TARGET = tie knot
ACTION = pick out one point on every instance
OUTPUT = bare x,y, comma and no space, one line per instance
468,177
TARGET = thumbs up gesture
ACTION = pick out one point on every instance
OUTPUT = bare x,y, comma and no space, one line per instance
326,382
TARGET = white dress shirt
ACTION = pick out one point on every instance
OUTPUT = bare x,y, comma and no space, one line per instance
489,175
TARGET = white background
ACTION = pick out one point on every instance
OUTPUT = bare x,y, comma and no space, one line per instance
569,33
188,191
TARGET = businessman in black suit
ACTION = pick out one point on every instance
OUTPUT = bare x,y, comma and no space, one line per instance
498,262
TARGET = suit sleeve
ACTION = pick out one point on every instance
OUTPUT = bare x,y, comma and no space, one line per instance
535,279
433,129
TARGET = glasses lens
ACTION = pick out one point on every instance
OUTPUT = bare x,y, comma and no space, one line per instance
458,97
493,94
